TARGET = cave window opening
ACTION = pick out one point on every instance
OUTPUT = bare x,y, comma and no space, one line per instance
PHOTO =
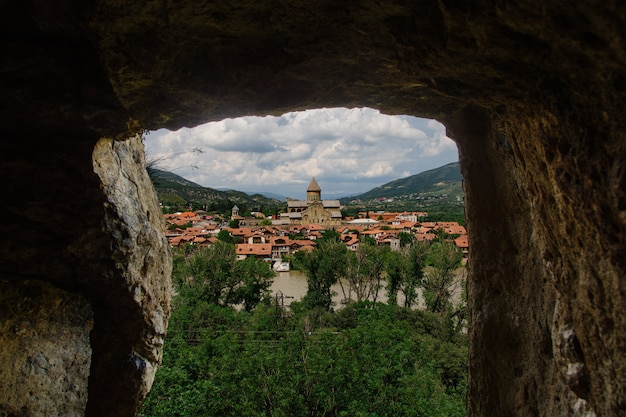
351,151
347,151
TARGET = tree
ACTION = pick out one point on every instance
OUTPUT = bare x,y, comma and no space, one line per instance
440,282
418,252
405,272
255,279
364,269
395,267
324,266
368,240
225,236
331,235
373,362
406,238
213,275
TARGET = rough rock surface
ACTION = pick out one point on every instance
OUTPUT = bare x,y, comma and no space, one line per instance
532,92
130,324
91,229
45,350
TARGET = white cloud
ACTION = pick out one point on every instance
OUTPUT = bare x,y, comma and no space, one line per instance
348,151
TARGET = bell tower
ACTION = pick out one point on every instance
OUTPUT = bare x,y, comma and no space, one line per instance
234,212
314,192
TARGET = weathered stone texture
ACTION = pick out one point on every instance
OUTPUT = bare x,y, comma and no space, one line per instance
92,230
131,320
532,92
45,350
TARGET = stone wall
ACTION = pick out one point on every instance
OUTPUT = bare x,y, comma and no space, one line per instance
531,91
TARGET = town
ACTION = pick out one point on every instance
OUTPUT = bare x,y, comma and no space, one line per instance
276,238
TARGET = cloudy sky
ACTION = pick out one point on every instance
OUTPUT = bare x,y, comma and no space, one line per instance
348,151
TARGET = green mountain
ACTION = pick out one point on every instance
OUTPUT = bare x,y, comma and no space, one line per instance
444,180
175,191
169,179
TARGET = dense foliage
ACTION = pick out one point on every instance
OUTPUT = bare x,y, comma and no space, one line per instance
213,275
259,359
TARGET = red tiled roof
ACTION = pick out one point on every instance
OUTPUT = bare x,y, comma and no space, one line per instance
303,242
456,230
385,216
313,227
371,232
241,231
275,240
306,248
430,225
195,231
428,237
258,249
462,241
175,241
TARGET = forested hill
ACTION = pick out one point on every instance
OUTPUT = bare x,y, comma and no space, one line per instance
444,179
174,190
170,180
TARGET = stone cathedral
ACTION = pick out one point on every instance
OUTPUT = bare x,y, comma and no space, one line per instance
313,210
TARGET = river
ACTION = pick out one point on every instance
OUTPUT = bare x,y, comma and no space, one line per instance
293,286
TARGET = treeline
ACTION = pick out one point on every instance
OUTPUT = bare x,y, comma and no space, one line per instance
233,350
362,274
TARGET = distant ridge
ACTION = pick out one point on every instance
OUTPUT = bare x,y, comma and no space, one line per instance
174,190
445,178
169,179
273,195
441,184
263,193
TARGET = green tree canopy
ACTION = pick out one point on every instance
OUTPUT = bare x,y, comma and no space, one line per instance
440,280
213,275
405,272
374,361
406,238
324,266
224,236
331,235
364,271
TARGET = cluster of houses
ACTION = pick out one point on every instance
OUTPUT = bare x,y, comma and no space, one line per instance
303,222
273,242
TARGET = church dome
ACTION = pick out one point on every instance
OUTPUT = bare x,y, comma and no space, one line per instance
314,186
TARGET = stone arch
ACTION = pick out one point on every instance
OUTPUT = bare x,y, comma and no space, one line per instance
532,93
